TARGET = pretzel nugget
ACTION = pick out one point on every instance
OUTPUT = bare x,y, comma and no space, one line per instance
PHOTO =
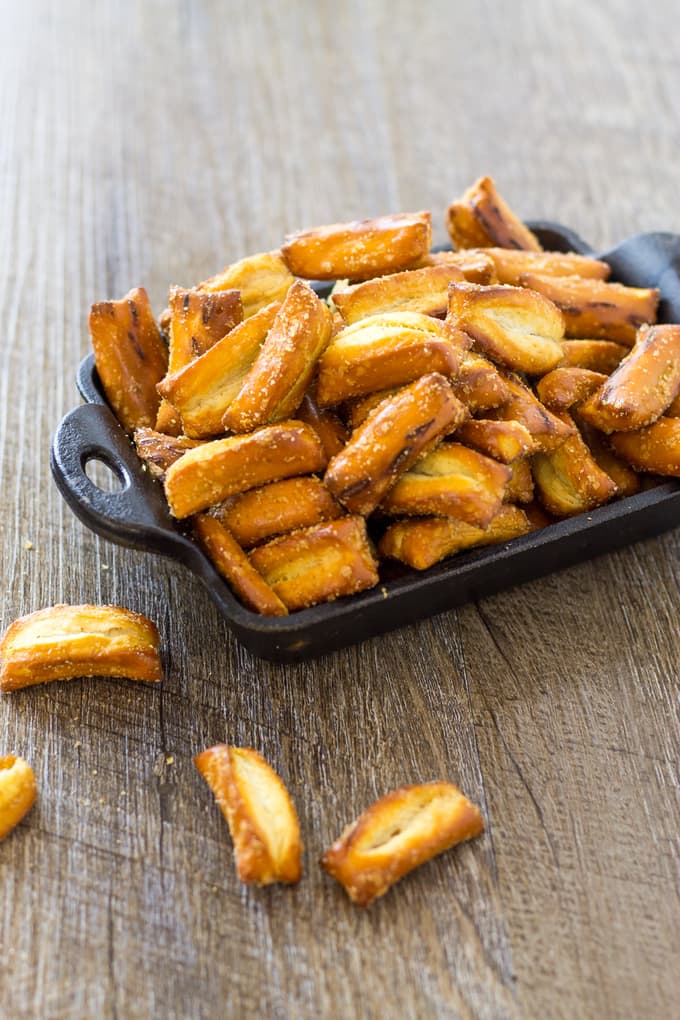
475,265
569,480
319,564
197,321
260,279
417,290
655,448
643,385
520,488
277,380
549,430
17,792
595,309
510,263
203,390
453,481
224,467
158,450
595,355
130,356
479,384
563,387
399,832
274,509
514,326
383,351
422,542
64,642
481,219
233,565
326,424
627,481
390,440
503,440
360,249
261,817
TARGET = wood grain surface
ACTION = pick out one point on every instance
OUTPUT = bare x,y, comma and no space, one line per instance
151,143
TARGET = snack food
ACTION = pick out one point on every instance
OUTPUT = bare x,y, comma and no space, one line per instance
17,792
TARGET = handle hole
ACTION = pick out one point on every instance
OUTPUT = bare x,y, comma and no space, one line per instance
105,475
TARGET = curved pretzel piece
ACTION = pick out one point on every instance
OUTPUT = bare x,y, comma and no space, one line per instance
17,792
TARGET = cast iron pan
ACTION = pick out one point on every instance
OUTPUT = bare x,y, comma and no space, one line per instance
138,516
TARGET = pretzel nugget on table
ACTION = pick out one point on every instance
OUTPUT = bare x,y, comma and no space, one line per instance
360,249
398,833
233,565
63,642
17,792
482,219
569,480
260,514
260,814
260,279
510,263
417,290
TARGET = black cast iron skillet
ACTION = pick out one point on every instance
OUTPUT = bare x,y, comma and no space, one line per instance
138,515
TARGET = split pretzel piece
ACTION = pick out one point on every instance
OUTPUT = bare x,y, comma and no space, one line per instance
383,351
224,467
391,439
280,374
563,387
548,429
510,263
452,481
396,834
421,542
130,356
203,390
260,814
513,326
479,384
274,509
594,309
158,450
63,642
569,480
503,440
319,564
642,387
261,279
417,290
475,265
481,219
595,355
655,448
197,321
17,792
326,424
360,249
233,565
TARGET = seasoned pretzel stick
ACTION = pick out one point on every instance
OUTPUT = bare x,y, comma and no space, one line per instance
417,290
481,218
655,448
510,263
563,387
17,792
260,514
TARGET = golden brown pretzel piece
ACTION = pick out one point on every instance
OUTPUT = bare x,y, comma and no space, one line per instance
360,249
482,219
131,357
479,384
63,642
275,385
260,514
503,440
382,351
390,440
520,488
326,424
233,565
628,482
595,309
17,792
319,564
642,387
202,392
260,814
417,290
569,480
510,263
514,326
158,450
475,265
260,279
563,387
224,467
396,834
420,542
595,355
548,429
655,448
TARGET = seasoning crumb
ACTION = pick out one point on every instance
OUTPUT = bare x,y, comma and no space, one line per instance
105,566
102,801
122,793
94,772
77,744
28,545
170,760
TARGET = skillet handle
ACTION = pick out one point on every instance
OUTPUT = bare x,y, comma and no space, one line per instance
137,515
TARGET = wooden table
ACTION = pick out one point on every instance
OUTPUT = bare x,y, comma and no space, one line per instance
153,143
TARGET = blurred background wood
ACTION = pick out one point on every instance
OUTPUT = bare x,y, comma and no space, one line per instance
151,143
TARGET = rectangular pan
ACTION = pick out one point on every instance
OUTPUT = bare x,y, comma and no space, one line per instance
138,516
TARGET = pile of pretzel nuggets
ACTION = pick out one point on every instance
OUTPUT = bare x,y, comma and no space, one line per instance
452,399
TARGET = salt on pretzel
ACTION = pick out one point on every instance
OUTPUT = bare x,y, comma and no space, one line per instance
383,351
275,385
17,792
158,450
510,263
233,565
417,290
642,387
360,249
655,448
548,429
479,384
594,309
390,440
563,387
318,564
63,642
260,279
482,219
224,467
505,441
260,814
569,481
202,391
130,356
516,327
398,833
595,355
420,542
260,514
